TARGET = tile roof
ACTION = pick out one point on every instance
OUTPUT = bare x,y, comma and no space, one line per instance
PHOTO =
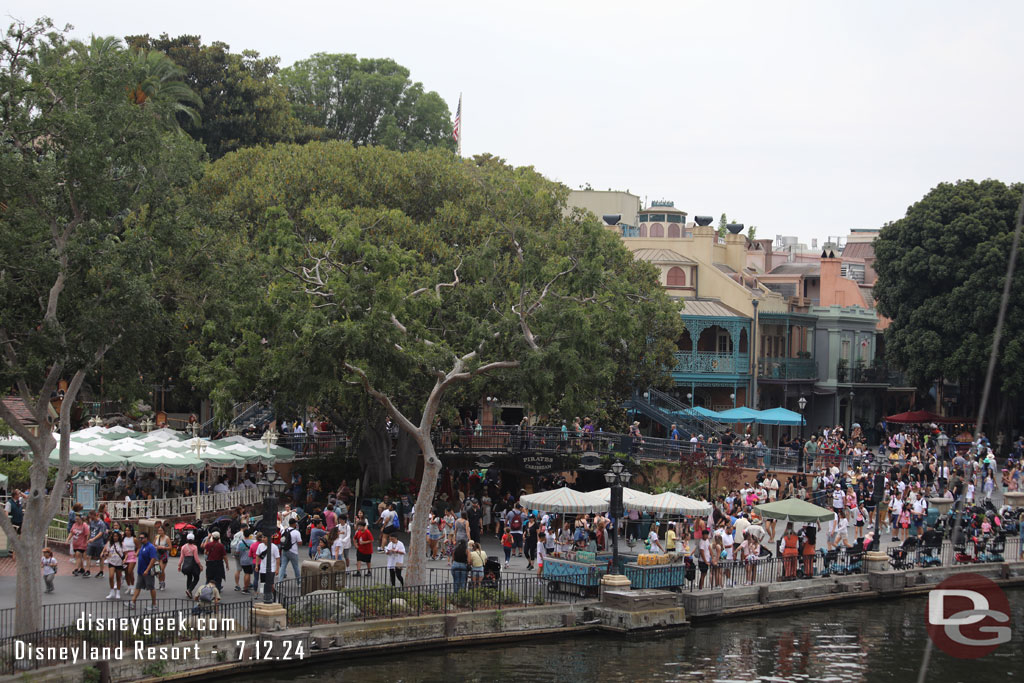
17,406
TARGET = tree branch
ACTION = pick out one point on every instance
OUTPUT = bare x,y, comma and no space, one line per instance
383,399
439,285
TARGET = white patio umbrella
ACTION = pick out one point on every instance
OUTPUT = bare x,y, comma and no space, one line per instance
631,498
565,501
670,503
252,454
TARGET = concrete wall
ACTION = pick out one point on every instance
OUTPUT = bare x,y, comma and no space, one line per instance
602,202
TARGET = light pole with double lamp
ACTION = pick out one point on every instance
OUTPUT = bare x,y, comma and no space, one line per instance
616,477
802,403
271,486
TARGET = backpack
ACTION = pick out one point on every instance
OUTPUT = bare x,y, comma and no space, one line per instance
244,556
236,544
517,522
206,594
286,540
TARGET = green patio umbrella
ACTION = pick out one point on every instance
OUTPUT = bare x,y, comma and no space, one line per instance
15,444
794,510
83,456
167,459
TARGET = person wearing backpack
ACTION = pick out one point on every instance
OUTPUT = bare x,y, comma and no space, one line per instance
207,598
235,548
245,560
515,525
290,542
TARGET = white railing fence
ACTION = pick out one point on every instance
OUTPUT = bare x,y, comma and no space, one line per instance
182,506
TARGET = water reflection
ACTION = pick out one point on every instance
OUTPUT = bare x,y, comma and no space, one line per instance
871,642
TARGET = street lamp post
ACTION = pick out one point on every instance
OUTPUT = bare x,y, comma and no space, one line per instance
616,478
802,403
849,426
198,446
710,461
943,441
271,486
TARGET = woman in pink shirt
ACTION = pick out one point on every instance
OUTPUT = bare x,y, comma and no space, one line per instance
79,537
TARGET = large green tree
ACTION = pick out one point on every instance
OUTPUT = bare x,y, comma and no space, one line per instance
940,273
83,156
242,102
368,102
413,276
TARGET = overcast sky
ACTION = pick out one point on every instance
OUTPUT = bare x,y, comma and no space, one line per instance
804,118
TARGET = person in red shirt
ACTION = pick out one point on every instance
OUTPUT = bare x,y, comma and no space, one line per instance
364,547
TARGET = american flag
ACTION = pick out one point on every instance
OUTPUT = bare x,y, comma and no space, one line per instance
457,131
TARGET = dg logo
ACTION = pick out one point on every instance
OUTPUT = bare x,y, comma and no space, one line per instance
968,616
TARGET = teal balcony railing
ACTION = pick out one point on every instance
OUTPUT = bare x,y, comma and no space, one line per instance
787,368
704,363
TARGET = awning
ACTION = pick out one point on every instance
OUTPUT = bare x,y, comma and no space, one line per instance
923,417
565,501
794,510
779,416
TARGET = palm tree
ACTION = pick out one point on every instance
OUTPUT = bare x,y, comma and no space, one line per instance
159,81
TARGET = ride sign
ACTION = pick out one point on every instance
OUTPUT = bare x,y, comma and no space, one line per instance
968,616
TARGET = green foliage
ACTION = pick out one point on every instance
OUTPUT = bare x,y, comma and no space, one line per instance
722,222
366,101
940,274
538,598
84,152
377,601
498,620
242,102
752,232
157,668
90,674
484,597
18,473
336,254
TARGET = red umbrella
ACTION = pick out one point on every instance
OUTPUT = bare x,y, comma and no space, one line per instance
923,417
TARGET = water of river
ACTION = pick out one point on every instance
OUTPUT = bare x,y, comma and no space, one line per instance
873,642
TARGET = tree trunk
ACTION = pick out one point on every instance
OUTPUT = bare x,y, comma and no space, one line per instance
374,452
28,548
407,456
415,559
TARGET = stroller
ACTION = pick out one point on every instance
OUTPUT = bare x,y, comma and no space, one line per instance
181,530
991,548
902,557
930,553
492,572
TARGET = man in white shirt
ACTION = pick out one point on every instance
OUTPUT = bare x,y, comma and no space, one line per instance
395,551
221,487
270,558
773,488
344,540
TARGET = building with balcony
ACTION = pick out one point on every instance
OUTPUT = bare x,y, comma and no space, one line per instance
767,322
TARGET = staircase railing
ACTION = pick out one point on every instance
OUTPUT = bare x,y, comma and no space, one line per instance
206,429
686,414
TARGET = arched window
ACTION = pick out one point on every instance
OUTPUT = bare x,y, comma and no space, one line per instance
673,230
643,230
657,230
676,277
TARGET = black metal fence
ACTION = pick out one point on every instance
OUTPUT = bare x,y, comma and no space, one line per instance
385,602
375,577
103,635
66,614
